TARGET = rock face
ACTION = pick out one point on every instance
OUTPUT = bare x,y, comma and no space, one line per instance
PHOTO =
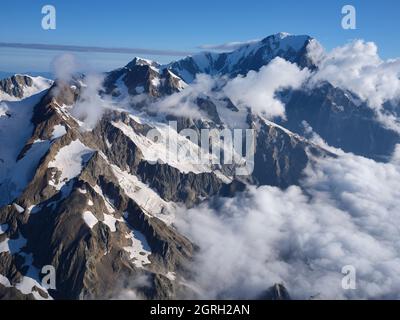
281,156
142,76
341,120
276,292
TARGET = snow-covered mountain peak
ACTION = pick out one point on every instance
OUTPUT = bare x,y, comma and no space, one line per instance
142,76
285,41
250,56
138,61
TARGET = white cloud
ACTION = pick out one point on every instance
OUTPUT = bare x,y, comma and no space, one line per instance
3,109
65,66
130,288
347,213
257,89
90,107
183,103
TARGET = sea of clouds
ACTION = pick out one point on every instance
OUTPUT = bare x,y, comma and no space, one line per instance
346,212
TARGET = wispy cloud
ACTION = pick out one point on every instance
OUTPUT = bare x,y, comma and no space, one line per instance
73,48
229,46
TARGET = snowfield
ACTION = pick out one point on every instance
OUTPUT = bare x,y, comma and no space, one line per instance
69,161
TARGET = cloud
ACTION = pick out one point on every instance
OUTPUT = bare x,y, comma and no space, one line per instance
3,109
73,48
229,46
345,213
131,287
257,90
357,67
183,103
91,106
65,66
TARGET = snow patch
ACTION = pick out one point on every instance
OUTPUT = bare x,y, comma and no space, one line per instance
30,281
145,197
12,245
15,132
140,250
18,208
58,131
82,191
4,281
182,153
69,161
171,275
110,221
89,219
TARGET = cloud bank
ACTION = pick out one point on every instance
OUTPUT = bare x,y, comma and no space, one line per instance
357,67
345,213
91,106
183,103
73,48
257,90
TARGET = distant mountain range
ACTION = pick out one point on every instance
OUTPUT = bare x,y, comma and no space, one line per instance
48,75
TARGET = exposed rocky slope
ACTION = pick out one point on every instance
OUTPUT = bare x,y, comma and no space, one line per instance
342,120
21,86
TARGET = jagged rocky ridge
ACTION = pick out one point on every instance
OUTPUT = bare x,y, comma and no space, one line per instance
248,57
21,86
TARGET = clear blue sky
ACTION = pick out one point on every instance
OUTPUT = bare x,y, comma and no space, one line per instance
184,25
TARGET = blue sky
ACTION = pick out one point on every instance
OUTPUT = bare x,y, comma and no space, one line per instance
183,26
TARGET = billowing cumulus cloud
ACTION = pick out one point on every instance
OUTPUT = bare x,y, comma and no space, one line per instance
257,90
65,66
357,67
3,109
91,106
183,103
345,213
